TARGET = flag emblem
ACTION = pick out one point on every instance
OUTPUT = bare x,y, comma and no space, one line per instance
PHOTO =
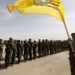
40,2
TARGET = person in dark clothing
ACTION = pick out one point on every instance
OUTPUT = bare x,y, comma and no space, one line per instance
22,48
39,48
72,54
19,50
47,47
14,54
1,51
9,51
26,50
34,49
43,48
30,49
55,46
51,47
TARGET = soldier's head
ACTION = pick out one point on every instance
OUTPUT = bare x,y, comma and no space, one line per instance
46,40
18,41
43,40
34,41
10,39
29,39
39,40
73,36
0,40
25,41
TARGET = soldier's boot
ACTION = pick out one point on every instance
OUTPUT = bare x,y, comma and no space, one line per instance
7,67
25,61
18,61
12,65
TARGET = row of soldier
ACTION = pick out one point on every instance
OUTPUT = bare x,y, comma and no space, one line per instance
29,50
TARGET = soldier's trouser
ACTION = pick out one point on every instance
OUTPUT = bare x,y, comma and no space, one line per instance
22,52
25,54
47,50
72,65
19,57
39,51
43,52
55,50
13,59
51,50
0,58
34,53
30,53
8,59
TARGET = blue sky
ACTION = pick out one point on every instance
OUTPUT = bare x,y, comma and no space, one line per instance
21,26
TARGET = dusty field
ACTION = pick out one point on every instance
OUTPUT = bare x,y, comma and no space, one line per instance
57,64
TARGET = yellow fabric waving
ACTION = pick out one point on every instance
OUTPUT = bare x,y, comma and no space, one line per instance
49,7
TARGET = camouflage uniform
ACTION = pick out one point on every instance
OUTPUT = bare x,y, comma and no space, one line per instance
55,46
72,61
51,47
72,55
22,48
46,47
34,49
39,47
43,48
9,51
26,50
14,53
1,51
19,50
30,48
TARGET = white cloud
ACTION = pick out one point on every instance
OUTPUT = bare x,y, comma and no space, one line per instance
6,15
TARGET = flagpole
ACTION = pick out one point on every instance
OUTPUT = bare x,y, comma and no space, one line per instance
68,36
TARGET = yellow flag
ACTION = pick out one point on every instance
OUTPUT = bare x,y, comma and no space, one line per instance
49,7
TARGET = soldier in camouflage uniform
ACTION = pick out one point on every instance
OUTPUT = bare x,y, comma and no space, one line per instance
55,46
1,51
47,47
34,49
72,55
26,50
19,50
9,51
51,47
30,48
43,48
22,48
39,48
14,53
